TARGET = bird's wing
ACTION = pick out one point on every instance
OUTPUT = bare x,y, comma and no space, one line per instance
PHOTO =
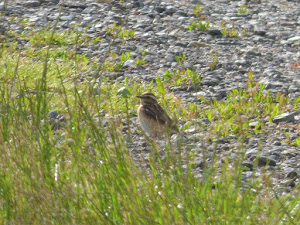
156,112
162,116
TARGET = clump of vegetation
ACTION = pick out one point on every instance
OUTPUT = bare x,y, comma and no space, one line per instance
118,32
215,60
183,75
202,25
141,61
243,9
230,32
199,23
295,66
255,103
116,62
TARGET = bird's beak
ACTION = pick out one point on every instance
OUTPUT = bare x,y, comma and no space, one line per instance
139,96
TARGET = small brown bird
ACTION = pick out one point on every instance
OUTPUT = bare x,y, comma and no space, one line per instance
153,118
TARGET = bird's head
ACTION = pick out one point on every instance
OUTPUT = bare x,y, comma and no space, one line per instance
147,98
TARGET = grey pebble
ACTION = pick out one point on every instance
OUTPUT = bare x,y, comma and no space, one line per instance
254,124
293,174
263,161
53,114
33,3
67,18
289,183
284,117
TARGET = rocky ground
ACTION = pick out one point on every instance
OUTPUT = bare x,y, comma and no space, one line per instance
268,44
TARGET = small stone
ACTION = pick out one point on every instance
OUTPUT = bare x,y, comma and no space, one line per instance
293,89
73,4
210,81
149,58
67,18
242,62
292,174
273,85
174,32
188,65
32,3
254,124
160,9
294,39
289,183
53,114
220,95
137,4
263,161
277,143
291,153
215,32
248,165
181,14
200,93
181,44
129,63
170,10
284,117
170,57
260,32
162,34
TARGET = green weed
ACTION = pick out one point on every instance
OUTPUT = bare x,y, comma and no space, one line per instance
199,23
182,76
296,142
215,60
230,32
117,31
202,25
141,61
243,9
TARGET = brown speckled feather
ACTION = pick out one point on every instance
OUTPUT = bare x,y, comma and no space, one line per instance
153,118
157,113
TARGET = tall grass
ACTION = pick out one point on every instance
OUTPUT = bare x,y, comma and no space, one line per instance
86,172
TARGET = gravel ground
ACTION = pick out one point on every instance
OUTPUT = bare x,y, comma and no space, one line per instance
269,48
